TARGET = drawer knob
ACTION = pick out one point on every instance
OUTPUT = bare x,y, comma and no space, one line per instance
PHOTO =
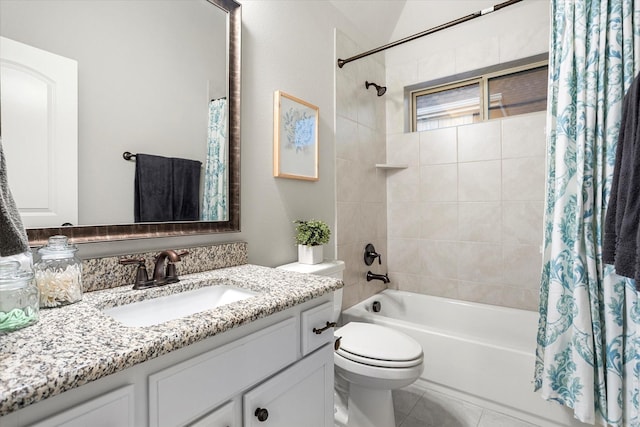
327,326
262,414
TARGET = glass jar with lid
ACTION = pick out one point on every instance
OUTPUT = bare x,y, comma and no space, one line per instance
58,273
18,297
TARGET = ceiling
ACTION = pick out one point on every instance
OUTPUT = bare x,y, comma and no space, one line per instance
386,21
375,18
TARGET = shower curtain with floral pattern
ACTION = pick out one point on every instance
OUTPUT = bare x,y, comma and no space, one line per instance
587,355
214,199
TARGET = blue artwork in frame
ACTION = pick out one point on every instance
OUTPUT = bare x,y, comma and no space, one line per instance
295,138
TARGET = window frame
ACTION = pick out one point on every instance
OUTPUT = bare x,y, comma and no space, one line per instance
443,88
481,77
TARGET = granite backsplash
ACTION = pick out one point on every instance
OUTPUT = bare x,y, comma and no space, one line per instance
107,272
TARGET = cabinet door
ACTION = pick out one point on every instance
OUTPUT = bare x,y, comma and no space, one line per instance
112,409
301,395
192,388
224,416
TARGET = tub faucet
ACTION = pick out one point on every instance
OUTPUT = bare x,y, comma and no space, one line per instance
372,276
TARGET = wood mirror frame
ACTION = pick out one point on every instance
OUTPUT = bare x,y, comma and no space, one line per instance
103,233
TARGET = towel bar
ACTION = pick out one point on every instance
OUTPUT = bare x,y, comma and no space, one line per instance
128,156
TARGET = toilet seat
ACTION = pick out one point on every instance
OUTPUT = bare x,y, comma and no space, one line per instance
378,346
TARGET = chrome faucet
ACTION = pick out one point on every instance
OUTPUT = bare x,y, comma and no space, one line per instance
372,276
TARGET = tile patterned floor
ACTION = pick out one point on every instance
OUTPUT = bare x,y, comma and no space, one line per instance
416,407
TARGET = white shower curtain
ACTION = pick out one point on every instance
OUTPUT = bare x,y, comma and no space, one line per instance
214,200
587,355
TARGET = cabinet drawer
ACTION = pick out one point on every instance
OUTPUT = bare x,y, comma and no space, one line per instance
111,409
316,318
190,389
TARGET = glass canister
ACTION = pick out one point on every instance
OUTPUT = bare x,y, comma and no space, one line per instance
58,273
18,297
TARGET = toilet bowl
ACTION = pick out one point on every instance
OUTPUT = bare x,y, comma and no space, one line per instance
375,360
372,360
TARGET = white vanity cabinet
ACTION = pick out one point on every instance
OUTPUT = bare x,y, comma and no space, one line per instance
115,408
275,363
190,389
302,395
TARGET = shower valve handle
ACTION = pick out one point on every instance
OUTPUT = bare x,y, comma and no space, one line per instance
370,255
374,255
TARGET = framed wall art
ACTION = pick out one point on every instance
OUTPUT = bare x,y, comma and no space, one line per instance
295,138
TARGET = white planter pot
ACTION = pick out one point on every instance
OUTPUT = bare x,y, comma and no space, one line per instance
310,254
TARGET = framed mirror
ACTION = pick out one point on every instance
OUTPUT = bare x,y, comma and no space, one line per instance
127,102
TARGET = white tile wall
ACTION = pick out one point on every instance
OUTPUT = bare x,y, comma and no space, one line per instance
439,183
476,225
523,179
477,53
438,146
404,148
471,199
523,136
438,221
522,222
479,181
479,141
360,188
436,65
480,221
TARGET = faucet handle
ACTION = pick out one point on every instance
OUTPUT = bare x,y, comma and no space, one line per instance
131,261
141,273
370,255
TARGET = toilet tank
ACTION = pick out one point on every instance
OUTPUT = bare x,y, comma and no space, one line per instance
333,268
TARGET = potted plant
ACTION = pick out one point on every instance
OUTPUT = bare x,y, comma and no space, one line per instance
310,236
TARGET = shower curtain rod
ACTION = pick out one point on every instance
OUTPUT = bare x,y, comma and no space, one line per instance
342,62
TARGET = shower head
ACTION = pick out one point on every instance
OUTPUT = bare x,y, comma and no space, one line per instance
380,89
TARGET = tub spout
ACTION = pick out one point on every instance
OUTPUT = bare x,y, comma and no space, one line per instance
372,276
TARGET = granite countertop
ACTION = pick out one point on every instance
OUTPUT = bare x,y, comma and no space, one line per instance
76,344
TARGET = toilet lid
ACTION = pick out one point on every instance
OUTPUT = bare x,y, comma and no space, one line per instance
378,345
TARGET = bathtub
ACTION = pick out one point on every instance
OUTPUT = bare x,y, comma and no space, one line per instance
480,353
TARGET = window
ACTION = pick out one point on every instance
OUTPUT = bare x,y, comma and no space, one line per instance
450,105
518,93
493,95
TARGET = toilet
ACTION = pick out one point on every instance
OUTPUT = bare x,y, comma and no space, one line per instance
372,360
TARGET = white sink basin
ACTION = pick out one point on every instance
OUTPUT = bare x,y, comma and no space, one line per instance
162,309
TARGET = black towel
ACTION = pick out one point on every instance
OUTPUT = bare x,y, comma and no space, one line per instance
186,189
621,227
166,189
